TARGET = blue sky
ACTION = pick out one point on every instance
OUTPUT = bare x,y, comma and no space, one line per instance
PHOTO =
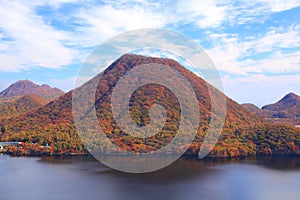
254,44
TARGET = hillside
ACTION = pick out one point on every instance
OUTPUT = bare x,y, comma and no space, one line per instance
264,114
286,110
289,101
252,108
242,134
25,87
22,105
287,107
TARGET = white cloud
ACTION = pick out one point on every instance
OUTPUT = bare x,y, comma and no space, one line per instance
244,11
280,5
203,13
277,63
52,3
31,41
103,22
277,38
269,71
213,13
37,43
230,51
226,54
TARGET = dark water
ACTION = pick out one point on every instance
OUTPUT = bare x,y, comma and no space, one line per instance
85,179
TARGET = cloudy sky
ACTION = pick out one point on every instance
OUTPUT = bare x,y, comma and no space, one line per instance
254,44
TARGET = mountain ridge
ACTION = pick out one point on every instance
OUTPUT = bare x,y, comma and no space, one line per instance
25,87
289,100
285,110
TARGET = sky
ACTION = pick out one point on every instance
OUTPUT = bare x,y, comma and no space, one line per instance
255,45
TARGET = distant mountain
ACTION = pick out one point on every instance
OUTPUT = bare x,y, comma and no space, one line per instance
24,87
257,111
286,110
22,105
252,108
287,107
243,132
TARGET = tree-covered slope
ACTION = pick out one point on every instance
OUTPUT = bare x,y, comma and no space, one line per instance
243,134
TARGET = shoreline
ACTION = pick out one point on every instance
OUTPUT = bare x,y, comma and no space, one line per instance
185,156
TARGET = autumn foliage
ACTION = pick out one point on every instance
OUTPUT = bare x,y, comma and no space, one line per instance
52,125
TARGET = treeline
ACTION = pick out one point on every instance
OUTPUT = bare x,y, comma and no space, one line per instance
261,139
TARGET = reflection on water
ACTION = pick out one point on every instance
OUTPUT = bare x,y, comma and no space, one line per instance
280,163
85,178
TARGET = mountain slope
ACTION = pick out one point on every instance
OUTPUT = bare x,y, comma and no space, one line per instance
264,114
288,101
61,107
287,107
53,123
252,108
22,105
24,87
286,110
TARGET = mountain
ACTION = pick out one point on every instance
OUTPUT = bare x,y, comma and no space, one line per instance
53,124
264,114
252,108
286,110
24,87
22,105
287,107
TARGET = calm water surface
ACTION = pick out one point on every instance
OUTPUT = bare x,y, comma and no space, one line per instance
85,179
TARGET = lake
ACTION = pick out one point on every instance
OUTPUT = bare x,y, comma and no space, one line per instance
261,178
